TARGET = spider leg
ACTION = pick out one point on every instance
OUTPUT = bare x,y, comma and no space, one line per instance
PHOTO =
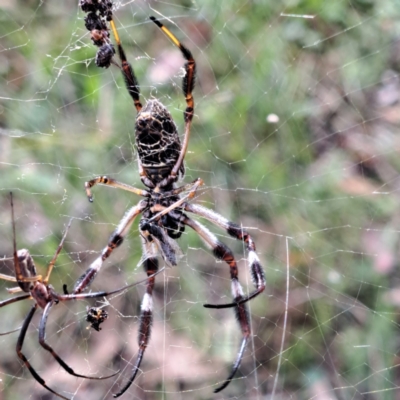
17,267
24,279
105,180
43,343
20,343
183,188
115,240
234,230
187,87
222,252
23,256
132,85
8,278
54,259
146,313
10,301
60,297
14,300
7,333
131,81
14,290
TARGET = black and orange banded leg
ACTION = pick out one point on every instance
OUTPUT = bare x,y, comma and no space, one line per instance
146,317
131,81
20,343
187,86
222,252
115,241
237,232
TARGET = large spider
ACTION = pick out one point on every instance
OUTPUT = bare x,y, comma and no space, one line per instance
164,218
37,288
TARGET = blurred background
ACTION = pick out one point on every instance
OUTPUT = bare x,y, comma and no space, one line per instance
296,135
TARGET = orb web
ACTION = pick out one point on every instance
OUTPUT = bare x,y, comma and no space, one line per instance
295,135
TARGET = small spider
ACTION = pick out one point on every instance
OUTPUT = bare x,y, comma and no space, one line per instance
37,288
160,159
96,316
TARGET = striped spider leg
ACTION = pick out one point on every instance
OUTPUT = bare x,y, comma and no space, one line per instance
222,252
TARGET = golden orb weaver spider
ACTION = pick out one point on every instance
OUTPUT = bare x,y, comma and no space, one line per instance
161,165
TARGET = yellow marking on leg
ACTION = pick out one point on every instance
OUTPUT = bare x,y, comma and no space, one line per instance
115,32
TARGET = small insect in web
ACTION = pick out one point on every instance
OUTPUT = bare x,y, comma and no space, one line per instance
96,316
37,287
161,165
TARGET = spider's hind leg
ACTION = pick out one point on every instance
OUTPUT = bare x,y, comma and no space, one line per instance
234,230
22,357
146,314
222,252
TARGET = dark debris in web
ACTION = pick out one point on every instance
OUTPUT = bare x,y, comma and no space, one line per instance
99,12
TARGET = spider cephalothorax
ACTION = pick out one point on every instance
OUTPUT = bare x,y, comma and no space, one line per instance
160,160
172,221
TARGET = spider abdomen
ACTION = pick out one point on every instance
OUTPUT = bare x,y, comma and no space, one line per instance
157,141
27,268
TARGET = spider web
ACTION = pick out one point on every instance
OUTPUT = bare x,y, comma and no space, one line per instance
295,136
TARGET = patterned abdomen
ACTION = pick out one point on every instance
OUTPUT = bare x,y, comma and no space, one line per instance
27,267
157,141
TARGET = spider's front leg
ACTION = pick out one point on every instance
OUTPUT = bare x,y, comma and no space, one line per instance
222,252
115,240
188,83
